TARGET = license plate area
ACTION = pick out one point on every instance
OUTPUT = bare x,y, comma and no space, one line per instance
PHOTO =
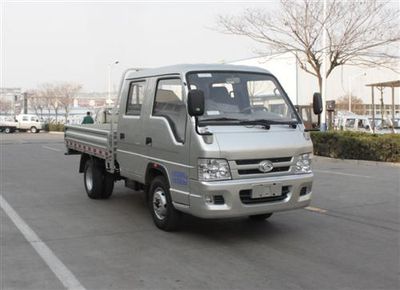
266,190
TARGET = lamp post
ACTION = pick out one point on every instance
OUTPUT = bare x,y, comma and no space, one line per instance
324,79
109,80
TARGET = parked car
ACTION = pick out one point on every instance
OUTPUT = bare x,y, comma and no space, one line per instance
355,123
385,126
213,141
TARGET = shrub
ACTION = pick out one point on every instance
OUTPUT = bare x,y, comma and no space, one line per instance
54,127
356,145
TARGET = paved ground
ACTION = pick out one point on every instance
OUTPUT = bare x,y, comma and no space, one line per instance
352,243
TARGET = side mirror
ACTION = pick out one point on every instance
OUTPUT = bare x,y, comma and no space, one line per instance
196,102
317,103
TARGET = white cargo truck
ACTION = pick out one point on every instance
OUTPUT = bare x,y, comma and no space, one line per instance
22,122
213,141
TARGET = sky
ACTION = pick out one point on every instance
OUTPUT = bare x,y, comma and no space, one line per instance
54,41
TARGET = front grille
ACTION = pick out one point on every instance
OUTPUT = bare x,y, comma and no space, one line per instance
256,171
257,161
245,196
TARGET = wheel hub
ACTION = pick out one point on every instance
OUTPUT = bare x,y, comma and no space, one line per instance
160,203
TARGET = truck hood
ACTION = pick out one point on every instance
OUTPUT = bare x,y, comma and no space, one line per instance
239,142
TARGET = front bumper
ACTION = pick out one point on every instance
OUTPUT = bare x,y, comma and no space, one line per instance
234,206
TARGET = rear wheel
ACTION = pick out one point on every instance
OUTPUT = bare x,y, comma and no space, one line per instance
34,129
99,184
165,216
260,217
7,130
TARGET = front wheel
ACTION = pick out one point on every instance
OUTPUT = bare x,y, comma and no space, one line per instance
260,217
99,184
165,216
34,129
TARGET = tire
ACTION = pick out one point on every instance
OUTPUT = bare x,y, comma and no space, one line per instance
260,217
34,129
165,216
99,184
7,130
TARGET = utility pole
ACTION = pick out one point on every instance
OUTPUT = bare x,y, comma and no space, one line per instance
25,102
323,93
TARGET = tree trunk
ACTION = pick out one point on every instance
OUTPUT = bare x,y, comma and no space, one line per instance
320,91
66,114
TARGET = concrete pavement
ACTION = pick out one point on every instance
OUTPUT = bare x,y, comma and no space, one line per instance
353,243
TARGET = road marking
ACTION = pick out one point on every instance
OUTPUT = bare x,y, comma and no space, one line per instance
315,209
340,173
59,269
51,148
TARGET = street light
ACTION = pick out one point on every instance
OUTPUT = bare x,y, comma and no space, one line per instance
109,80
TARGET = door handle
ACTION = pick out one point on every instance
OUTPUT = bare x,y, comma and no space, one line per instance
121,136
149,141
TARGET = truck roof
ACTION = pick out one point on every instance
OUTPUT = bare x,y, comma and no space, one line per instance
182,69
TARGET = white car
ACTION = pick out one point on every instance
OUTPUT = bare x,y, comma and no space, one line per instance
355,123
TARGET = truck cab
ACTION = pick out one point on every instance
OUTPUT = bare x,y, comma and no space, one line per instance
213,141
247,154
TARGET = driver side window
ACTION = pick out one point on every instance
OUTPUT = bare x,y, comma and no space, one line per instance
169,104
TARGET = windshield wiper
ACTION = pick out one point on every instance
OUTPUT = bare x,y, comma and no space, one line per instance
218,121
260,122
235,121
267,123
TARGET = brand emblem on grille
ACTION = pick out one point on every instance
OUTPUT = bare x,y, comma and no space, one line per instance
265,166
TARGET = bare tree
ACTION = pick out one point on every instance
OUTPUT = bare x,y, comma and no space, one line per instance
48,92
358,32
342,103
37,102
5,106
66,93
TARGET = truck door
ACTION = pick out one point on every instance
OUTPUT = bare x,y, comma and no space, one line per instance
24,122
165,135
130,144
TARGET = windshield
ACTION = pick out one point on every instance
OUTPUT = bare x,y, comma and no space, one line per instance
242,96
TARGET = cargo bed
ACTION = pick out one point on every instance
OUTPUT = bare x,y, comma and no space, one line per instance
93,139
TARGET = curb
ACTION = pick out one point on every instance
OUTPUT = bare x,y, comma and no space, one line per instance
358,162
56,132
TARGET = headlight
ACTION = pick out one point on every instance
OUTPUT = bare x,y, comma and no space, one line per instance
213,169
303,164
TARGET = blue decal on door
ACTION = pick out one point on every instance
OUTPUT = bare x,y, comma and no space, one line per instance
179,177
